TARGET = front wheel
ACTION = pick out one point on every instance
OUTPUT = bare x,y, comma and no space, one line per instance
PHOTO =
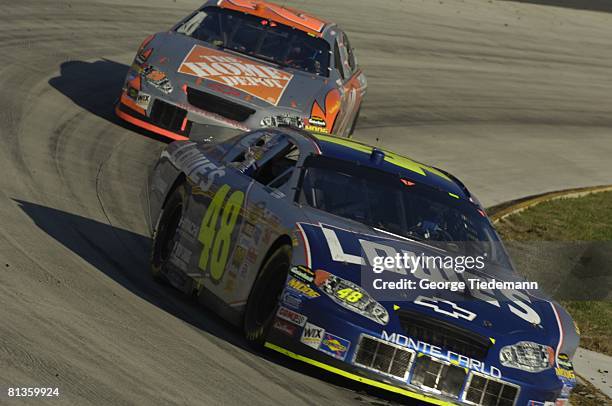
166,233
265,295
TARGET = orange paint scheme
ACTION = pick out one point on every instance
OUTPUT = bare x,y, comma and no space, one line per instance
131,104
329,114
147,126
135,83
280,14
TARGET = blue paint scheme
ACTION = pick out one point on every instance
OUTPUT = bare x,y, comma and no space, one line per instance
285,220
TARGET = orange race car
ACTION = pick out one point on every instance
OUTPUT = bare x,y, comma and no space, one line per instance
236,65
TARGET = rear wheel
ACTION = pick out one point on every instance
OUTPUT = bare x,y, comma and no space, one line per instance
265,295
166,233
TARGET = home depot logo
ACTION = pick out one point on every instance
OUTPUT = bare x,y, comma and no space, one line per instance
256,79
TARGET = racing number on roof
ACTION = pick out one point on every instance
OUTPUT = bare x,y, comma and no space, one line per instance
216,240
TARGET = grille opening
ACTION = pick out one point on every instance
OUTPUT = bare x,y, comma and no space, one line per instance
167,115
487,392
444,335
218,105
437,375
382,357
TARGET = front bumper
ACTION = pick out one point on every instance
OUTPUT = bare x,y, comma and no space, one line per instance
415,372
171,121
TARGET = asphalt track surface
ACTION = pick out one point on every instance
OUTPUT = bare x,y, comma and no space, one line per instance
514,98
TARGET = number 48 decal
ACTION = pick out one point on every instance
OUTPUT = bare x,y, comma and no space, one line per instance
216,240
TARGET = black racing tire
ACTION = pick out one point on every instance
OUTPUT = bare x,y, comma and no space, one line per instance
265,295
166,233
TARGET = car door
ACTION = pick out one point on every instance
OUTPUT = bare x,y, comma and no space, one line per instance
353,85
241,220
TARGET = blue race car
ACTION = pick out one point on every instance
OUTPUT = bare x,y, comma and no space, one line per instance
279,230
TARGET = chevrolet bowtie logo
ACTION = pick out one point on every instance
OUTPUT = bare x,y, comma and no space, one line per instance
445,307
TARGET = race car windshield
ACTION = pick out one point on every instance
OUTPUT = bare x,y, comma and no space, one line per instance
396,205
259,38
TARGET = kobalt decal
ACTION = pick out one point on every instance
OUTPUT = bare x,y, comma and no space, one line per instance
518,302
445,307
302,273
312,335
291,316
440,353
256,79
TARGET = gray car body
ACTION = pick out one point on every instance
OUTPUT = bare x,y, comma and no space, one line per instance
170,48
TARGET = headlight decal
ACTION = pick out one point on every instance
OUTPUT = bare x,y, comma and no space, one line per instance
351,296
527,356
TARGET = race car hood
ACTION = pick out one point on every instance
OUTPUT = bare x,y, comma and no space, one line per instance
511,315
196,64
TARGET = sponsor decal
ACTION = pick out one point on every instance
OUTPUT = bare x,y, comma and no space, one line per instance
566,390
249,229
157,79
285,327
291,300
200,168
312,335
565,373
143,56
252,255
302,273
290,315
316,129
301,287
438,352
257,234
239,256
445,307
564,362
558,402
255,78
132,93
143,100
335,346
317,121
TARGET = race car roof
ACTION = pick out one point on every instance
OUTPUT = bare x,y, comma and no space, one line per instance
281,14
354,151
